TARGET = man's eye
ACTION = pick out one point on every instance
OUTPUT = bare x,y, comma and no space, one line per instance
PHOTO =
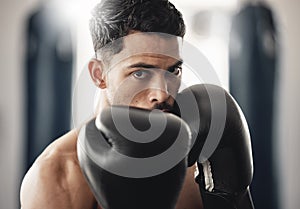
176,71
140,74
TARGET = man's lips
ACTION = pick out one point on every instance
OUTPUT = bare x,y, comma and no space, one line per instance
164,107
164,110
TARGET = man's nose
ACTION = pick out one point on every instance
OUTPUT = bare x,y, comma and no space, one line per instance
158,92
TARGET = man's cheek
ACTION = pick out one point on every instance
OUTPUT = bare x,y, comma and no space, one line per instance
173,91
125,97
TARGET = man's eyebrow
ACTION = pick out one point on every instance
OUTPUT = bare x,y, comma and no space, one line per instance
142,65
145,65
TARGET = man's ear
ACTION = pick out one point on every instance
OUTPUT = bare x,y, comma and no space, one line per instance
96,70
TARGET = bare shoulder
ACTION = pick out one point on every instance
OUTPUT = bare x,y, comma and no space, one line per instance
55,179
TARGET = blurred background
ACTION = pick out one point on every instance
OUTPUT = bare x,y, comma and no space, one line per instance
252,45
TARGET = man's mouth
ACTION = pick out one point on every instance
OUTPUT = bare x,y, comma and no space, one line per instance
164,107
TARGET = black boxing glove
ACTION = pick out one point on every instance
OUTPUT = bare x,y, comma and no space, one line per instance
138,158
221,146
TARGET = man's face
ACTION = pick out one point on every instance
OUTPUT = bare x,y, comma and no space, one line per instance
145,74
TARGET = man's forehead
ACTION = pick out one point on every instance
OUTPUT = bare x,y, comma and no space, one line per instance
163,45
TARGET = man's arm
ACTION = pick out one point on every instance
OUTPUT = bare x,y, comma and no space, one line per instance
189,197
55,179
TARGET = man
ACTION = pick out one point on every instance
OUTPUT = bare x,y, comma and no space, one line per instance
55,180
138,67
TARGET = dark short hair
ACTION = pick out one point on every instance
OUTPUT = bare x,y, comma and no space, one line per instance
113,19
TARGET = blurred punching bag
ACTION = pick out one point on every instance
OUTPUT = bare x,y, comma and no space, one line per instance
49,64
253,55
